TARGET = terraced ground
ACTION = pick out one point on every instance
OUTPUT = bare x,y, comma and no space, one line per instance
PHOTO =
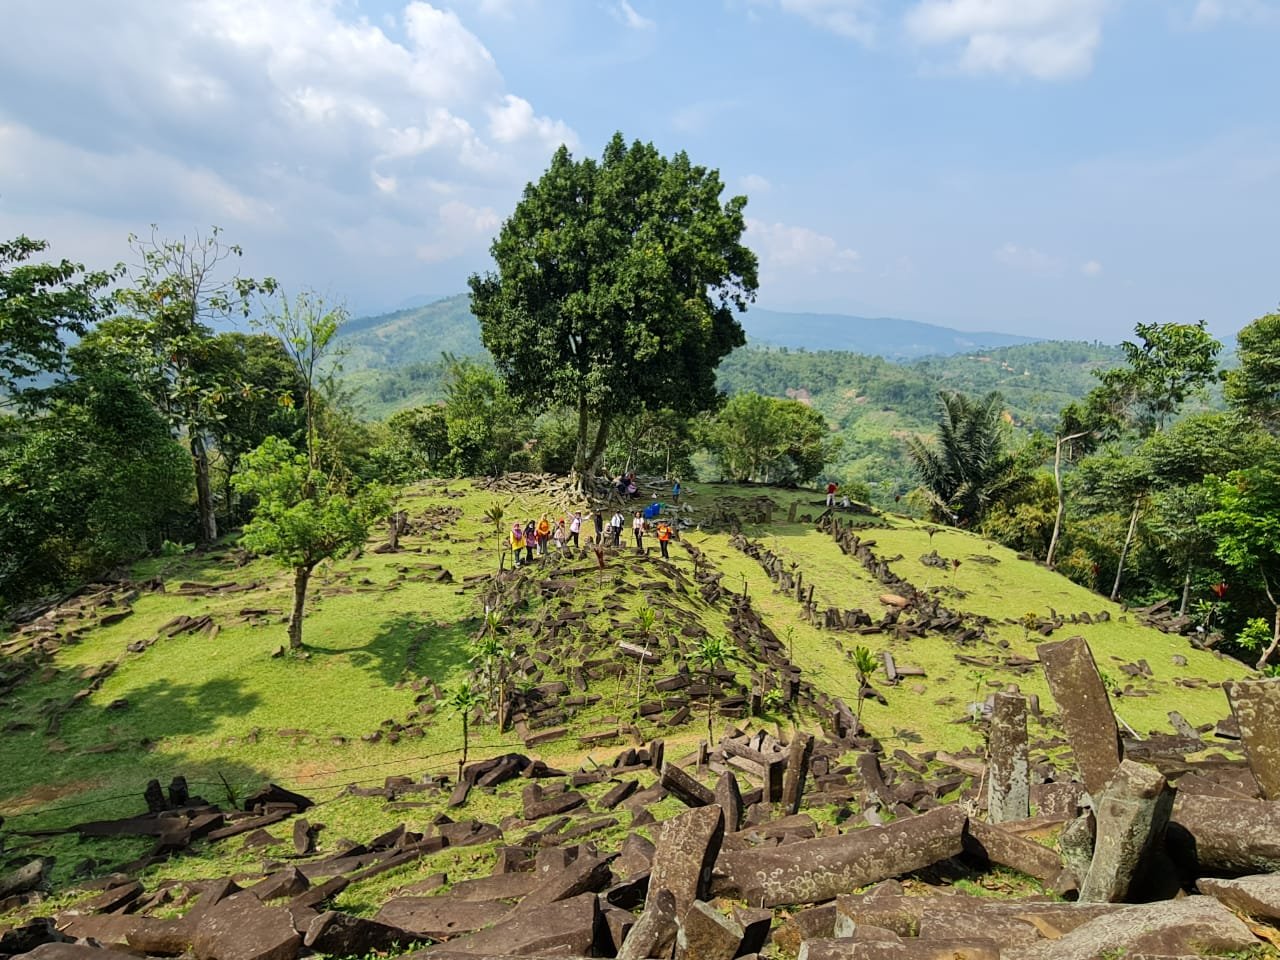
115,688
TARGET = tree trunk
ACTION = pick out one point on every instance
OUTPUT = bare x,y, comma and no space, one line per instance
227,495
208,530
1062,506
580,451
301,577
1275,642
1186,592
1124,552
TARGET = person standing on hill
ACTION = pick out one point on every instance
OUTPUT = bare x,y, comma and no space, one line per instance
530,540
615,525
544,535
637,527
675,491
664,536
831,493
517,542
575,527
599,522
559,536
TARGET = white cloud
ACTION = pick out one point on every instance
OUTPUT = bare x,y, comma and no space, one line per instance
627,14
1047,39
458,227
294,122
754,183
799,250
1091,268
854,19
1209,13
514,121
1028,260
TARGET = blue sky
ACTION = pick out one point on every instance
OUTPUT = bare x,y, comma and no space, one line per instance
1047,167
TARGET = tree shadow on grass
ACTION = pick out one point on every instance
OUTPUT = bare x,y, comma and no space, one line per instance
408,646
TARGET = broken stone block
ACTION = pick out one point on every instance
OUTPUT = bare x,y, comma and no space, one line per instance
858,949
565,927
684,855
440,917
810,871
1192,926
243,928
1258,895
729,797
756,927
342,935
706,934
583,875
1086,714
990,844
799,753
1218,835
654,932
1131,814
684,787
1256,706
1008,770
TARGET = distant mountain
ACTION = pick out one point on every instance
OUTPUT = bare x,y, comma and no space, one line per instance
421,333
415,335
880,337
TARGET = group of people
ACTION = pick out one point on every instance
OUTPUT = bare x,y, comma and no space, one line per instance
529,538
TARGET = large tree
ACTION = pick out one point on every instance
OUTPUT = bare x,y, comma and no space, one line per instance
1254,387
1245,521
39,304
615,288
769,439
164,338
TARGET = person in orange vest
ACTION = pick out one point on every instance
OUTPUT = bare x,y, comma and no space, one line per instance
544,534
664,537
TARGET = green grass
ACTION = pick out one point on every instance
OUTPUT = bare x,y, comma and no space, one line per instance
223,709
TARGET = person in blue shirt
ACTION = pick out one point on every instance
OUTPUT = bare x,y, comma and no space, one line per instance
675,491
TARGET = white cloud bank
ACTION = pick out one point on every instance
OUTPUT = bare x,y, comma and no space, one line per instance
295,120
1046,39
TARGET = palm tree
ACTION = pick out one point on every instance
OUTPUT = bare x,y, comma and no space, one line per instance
864,662
967,468
709,654
462,699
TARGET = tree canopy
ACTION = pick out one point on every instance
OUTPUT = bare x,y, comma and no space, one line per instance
969,466
39,302
616,287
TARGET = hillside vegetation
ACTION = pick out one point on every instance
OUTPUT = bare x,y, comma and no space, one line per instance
116,687
394,362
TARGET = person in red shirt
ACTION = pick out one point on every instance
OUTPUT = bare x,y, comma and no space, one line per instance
831,494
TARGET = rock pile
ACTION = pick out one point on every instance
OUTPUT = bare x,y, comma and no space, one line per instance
756,864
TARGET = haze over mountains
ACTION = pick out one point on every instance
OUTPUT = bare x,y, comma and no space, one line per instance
422,333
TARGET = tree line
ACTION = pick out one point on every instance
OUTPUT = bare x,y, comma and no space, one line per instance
1139,491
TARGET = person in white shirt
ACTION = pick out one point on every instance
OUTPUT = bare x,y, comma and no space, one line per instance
615,525
575,527
637,527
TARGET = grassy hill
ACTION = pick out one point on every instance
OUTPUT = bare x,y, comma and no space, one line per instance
886,337
114,688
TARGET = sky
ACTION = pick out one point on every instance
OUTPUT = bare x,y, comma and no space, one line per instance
1055,168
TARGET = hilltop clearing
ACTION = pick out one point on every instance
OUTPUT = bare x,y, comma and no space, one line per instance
600,663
